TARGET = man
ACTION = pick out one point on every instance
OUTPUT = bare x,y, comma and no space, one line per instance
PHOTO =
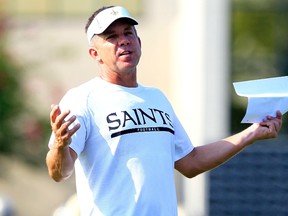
125,139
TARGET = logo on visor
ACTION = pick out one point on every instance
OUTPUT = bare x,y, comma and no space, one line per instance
114,12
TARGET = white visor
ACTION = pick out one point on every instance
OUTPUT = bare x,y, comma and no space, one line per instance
105,18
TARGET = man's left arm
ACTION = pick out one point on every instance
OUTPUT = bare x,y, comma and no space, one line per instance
207,157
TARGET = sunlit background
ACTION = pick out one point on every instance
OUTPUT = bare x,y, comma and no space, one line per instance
43,53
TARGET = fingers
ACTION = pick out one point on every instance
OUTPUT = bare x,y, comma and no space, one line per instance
55,111
57,117
273,124
60,120
72,130
278,115
271,118
63,130
60,126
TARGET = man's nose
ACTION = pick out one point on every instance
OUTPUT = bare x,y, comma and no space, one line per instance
123,41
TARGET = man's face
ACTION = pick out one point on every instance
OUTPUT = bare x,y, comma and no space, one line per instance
118,48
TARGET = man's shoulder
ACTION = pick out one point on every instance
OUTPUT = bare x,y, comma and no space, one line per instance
84,88
150,88
80,93
153,91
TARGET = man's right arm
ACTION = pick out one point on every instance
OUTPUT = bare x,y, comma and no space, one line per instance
60,163
61,158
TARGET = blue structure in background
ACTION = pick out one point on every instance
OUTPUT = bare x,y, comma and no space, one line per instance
252,183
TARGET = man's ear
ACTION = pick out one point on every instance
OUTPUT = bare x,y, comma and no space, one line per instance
139,40
94,54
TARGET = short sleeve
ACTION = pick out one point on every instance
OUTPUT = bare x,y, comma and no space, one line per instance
77,106
183,144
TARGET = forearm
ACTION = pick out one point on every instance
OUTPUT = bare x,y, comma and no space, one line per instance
60,163
214,154
207,157
210,156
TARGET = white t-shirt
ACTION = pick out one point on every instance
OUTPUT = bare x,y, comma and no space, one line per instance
127,144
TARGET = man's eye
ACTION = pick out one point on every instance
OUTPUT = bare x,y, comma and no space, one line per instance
110,37
129,33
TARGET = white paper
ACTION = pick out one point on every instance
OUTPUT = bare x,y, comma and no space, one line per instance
265,97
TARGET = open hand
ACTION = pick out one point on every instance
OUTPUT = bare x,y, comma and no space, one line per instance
60,126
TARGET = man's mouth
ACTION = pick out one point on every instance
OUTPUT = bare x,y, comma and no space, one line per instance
125,53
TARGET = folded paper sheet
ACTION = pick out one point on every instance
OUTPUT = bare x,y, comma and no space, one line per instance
265,97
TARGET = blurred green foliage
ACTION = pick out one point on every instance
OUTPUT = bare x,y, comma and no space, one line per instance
11,103
258,45
22,132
